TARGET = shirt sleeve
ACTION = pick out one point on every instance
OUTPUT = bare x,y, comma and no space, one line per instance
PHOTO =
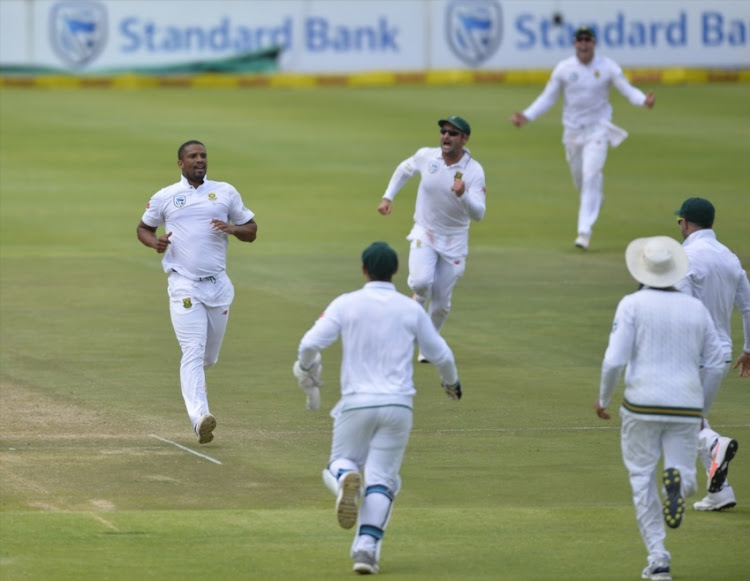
474,197
323,333
238,213
404,172
742,302
154,216
435,348
621,83
546,100
619,351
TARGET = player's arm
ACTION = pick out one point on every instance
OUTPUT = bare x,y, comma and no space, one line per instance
246,232
147,235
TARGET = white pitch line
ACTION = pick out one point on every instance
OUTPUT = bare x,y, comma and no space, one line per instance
181,447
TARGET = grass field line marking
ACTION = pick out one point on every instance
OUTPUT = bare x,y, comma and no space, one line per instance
181,447
104,521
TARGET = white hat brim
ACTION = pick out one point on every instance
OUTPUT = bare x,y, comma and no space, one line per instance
638,267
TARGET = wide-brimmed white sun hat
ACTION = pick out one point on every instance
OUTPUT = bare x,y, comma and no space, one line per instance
657,261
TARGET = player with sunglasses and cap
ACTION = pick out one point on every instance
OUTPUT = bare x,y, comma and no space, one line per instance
717,278
450,195
585,80
670,347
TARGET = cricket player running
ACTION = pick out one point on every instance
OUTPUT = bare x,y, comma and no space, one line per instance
585,81
673,355
378,327
198,215
451,193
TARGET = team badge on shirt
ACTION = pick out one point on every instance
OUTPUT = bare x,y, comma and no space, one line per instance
179,201
433,167
597,73
212,197
187,303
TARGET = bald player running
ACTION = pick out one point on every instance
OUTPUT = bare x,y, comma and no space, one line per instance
198,216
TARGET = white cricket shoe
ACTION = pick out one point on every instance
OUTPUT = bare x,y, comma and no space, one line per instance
365,563
205,429
421,358
657,572
717,500
348,499
583,240
722,452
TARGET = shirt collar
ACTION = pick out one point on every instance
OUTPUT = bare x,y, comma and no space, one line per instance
462,163
187,184
380,284
702,234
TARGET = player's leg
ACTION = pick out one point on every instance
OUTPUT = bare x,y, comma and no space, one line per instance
352,431
422,263
189,320
641,450
447,273
382,483
217,319
593,157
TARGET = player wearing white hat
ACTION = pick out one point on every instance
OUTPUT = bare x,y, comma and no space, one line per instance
670,347
378,327
585,80
451,194
198,215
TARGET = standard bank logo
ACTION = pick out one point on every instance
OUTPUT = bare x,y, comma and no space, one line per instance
78,31
474,29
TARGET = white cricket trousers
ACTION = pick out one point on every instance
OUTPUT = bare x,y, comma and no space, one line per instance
586,152
199,312
373,441
432,278
707,435
642,443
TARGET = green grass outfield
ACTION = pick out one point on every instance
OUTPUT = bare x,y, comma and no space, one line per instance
518,481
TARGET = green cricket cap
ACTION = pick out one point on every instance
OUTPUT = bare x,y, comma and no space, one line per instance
584,31
380,260
458,122
698,211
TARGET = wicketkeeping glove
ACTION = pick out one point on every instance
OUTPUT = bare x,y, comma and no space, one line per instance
310,382
453,391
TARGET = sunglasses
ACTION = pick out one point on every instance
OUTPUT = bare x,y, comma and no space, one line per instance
451,132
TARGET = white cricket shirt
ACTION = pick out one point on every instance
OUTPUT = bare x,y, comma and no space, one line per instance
439,211
585,89
379,328
196,250
717,278
663,337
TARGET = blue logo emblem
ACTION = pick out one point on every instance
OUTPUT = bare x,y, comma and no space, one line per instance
179,201
78,31
474,29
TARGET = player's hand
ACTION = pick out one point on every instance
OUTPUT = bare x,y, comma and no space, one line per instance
459,185
650,101
601,412
162,243
743,362
221,226
452,391
310,381
518,119
384,207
